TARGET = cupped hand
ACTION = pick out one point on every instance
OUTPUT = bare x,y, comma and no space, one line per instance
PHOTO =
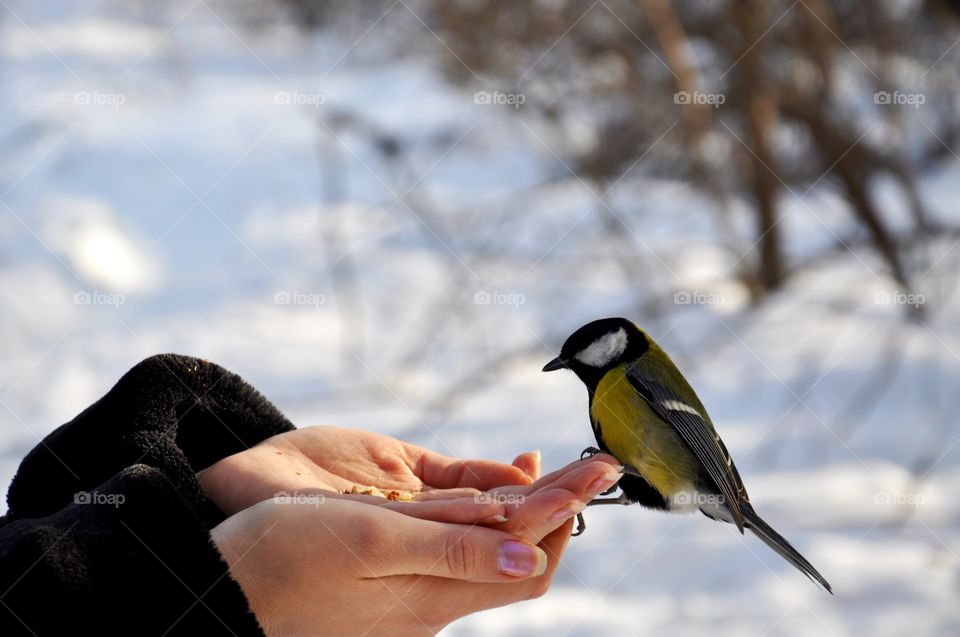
337,460
341,567
331,460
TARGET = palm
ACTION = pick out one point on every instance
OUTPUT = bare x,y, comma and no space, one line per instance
341,460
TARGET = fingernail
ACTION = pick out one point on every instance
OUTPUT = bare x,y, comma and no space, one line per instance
566,512
494,519
519,559
604,482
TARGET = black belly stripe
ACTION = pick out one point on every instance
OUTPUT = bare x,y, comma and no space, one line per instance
640,491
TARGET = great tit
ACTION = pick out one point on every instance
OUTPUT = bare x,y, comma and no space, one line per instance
646,415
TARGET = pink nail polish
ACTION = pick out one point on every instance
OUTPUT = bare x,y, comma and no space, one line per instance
519,559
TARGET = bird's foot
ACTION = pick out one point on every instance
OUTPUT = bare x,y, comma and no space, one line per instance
582,524
589,452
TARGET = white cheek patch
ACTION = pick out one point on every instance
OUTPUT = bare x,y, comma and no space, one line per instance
603,350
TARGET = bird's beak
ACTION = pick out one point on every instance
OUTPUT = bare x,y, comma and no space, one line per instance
554,365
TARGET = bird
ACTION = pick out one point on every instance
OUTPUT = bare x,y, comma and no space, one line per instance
645,414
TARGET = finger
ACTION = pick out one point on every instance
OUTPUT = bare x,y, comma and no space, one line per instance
466,553
476,508
471,597
580,476
559,474
529,462
587,479
554,545
447,494
459,511
443,472
539,513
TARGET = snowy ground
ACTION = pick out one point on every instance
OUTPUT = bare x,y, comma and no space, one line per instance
159,193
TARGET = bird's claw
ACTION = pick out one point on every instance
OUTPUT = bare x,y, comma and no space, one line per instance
589,452
581,526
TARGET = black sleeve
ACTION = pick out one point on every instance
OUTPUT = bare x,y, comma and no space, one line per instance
178,414
107,527
129,558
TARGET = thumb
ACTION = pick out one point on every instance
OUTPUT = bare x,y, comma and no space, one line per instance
471,553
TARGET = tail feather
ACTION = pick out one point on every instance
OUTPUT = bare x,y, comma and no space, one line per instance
779,544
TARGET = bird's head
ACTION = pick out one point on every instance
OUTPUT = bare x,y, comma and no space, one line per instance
599,346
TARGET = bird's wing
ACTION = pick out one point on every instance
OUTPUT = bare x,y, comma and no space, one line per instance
649,379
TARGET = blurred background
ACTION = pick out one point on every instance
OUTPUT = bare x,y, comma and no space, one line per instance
389,215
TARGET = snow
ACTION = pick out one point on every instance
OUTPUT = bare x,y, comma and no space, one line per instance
181,202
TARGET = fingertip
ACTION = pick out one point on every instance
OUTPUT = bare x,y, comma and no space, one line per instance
537,464
520,559
528,463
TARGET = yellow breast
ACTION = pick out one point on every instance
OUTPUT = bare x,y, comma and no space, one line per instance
639,438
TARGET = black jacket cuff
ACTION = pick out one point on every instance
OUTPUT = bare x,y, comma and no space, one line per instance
178,414
130,557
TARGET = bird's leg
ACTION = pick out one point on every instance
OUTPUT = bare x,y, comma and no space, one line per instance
582,524
621,499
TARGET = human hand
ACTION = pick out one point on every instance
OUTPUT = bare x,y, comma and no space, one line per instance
335,459
329,460
345,568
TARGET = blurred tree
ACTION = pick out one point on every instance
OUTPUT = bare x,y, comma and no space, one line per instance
772,99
